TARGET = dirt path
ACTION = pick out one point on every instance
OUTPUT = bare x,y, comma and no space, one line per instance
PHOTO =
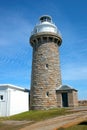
62,121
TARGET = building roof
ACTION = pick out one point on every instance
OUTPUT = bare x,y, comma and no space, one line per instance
64,88
14,87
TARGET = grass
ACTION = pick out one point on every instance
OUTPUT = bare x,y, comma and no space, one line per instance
81,126
33,116
39,115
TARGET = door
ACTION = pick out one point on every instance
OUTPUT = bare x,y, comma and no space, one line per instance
65,99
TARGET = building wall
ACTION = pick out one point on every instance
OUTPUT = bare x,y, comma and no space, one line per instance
59,100
72,99
75,98
3,103
13,101
19,101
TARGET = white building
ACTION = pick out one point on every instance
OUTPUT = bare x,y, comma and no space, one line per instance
13,100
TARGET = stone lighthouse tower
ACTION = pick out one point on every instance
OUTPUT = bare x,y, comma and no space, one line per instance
46,77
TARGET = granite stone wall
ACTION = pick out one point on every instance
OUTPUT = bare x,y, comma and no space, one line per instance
75,98
46,74
59,99
72,99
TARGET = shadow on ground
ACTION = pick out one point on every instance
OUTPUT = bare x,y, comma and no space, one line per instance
83,123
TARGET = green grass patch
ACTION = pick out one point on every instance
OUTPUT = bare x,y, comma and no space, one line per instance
38,115
81,126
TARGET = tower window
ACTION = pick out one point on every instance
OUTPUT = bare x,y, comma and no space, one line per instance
50,39
44,39
55,40
34,41
47,94
46,66
39,40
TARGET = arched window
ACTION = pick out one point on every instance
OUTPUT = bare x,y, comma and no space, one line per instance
46,66
47,94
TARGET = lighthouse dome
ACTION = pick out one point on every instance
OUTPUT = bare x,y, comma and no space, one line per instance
45,25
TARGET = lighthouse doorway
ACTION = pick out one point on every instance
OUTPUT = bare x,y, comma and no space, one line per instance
65,99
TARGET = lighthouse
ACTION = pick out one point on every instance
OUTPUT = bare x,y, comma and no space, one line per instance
45,40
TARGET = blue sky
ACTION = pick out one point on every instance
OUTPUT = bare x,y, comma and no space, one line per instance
17,19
